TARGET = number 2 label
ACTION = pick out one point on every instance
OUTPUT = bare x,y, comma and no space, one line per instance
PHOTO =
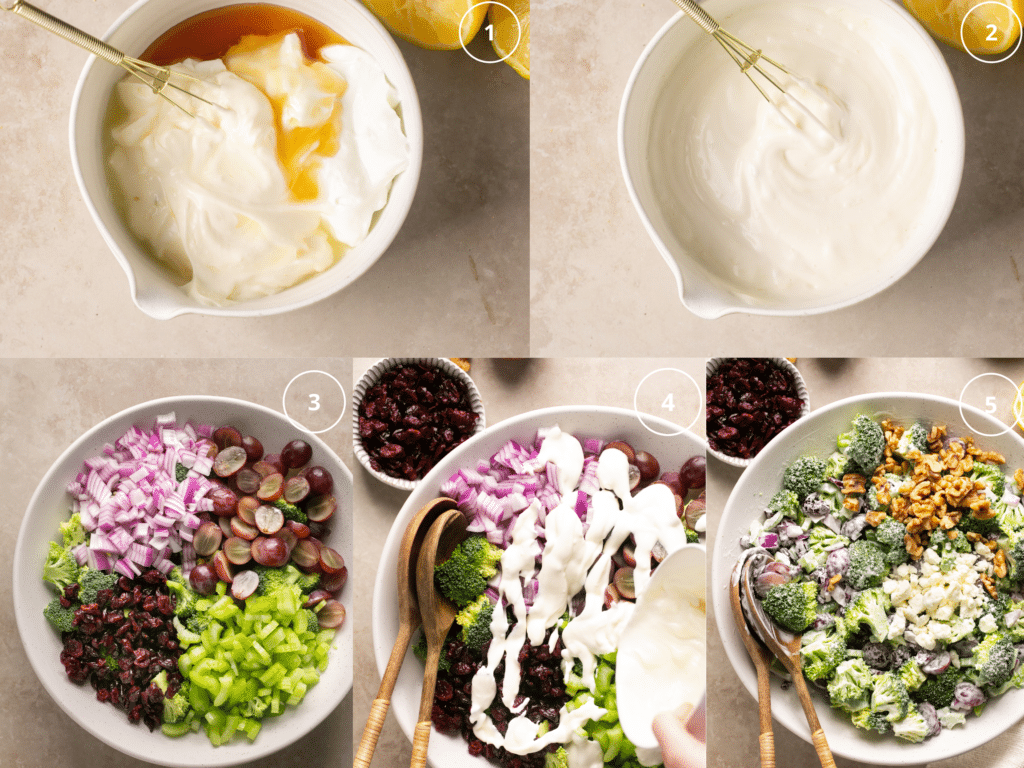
992,29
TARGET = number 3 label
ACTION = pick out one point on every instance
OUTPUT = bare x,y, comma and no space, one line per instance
314,402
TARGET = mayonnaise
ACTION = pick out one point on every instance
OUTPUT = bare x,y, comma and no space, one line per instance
819,208
273,184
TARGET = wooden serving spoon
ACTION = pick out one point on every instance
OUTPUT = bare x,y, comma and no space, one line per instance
438,616
761,657
408,622
786,647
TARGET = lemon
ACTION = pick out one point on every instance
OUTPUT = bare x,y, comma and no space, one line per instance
506,33
430,24
990,28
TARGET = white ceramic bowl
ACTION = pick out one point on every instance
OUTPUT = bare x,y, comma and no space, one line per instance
801,389
817,434
152,289
371,377
709,297
582,421
50,506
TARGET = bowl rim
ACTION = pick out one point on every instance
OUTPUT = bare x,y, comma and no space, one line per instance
791,716
801,388
373,374
716,308
21,609
384,578
412,122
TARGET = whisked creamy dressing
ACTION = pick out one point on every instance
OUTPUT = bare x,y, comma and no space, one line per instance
570,561
777,210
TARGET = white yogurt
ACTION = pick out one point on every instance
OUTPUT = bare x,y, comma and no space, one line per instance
775,211
222,197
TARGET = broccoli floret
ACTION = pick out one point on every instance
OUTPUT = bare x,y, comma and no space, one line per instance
890,696
867,565
993,660
177,707
869,720
291,512
913,728
804,475
1011,518
820,542
198,622
72,531
62,618
307,582
60,568
305,621
911,675
821,651
419,650
787,504
866,444
692,537
463,577
255,708
950,718
180,472
838,464
475,620
915,438
869,607
557,759
890,533
792,606
992,477
1013,550
971,524
850,687
91,581
273,579
184,596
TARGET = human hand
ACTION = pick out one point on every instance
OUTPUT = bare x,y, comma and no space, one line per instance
681,736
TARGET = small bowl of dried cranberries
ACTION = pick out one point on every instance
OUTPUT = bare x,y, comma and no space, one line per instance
410,412
749,401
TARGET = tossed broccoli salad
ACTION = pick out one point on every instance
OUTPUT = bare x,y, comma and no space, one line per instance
900,559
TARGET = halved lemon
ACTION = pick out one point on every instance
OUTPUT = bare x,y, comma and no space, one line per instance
506,33
991,27
431,24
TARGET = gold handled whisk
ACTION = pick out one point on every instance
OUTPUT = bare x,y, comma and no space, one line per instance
157,78
746,56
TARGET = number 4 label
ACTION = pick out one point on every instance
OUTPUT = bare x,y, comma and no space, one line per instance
668,403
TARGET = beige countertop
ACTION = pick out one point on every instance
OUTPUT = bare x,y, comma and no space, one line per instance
732,712
455,277
507,387
594,267
47,405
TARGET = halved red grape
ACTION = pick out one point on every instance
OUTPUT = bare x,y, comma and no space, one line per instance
289,538
316,597
332,615
269,519
624,583
265,468
629,553
243,530
224,521
207,539
271,488
225,501
671,479
611,596
694,511
306,554
203,579
229,461
227,436
296,489
333,582
648,466
206,448
625,447
248,480
658,552
253,448
320,480
693,473
238,550
222,566
270,551
300,530
245,585
321,508
331,561
634,476
247,509
296,454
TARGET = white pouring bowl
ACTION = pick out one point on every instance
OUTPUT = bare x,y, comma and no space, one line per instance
708,296
152,288
583,421
50,505
816,434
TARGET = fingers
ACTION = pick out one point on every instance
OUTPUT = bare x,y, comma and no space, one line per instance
680,749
